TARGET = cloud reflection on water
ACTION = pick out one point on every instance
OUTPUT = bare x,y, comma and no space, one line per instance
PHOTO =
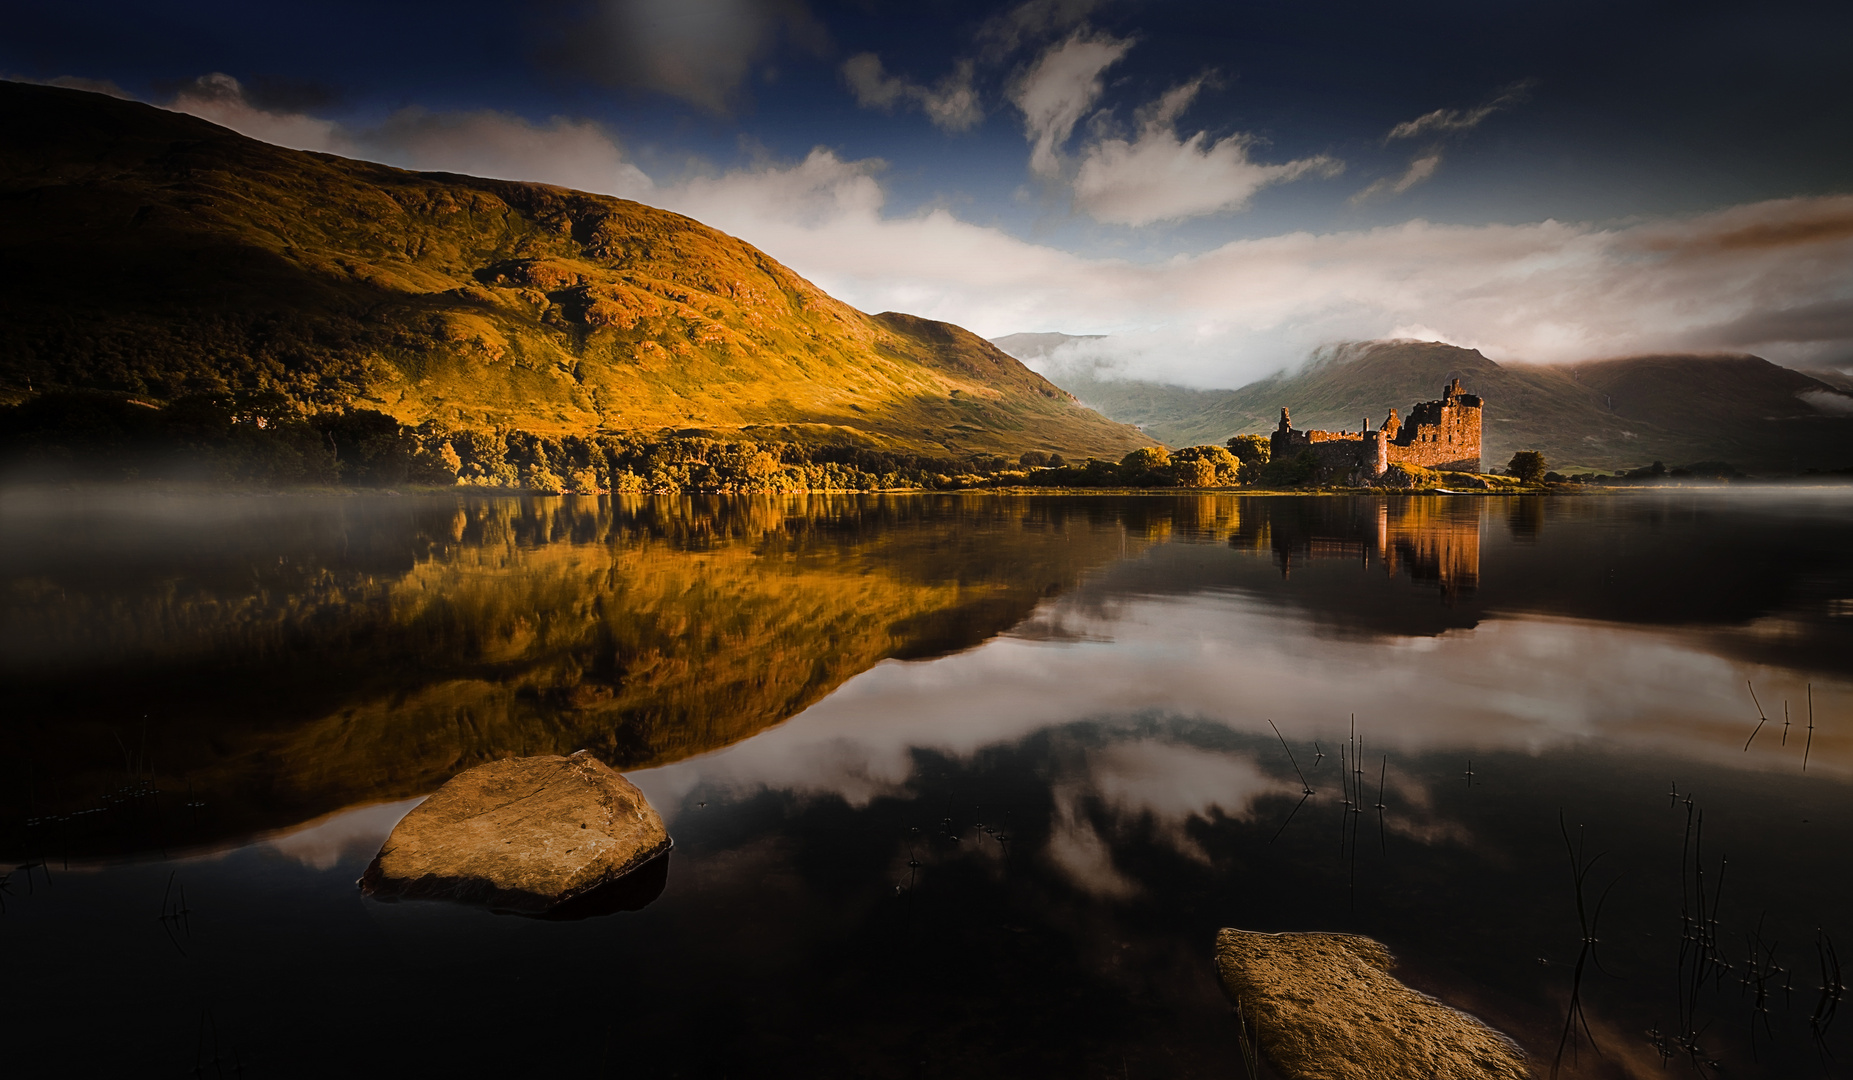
349,834
303,655
1526,684
1147,779
832,865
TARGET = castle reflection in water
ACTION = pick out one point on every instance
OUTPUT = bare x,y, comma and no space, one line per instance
1435,540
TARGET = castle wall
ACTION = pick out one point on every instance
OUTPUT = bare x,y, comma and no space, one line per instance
1338,455
1336,451
1442,434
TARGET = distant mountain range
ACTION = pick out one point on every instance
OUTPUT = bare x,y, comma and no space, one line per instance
1603,415
155,254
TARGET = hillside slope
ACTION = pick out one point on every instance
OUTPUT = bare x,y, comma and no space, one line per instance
158,254
1529,408
1601,415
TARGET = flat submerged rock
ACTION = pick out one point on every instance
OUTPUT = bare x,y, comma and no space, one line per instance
522,835
1325,1007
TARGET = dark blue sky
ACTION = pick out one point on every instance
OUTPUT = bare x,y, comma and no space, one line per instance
1602,114
1637,107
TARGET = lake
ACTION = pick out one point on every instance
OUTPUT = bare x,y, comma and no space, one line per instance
960,786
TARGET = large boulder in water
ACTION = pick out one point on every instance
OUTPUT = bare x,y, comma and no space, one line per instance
522,834
1325,1007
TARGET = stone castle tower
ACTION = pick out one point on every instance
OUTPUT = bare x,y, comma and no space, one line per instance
1442,434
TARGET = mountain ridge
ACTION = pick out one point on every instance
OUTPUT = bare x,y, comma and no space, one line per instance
154,253
1603,414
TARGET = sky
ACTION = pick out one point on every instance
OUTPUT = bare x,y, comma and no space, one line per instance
1219,188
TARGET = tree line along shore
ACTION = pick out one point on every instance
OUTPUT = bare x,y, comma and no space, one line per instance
263,440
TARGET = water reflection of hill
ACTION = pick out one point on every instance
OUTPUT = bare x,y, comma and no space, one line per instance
293,659
289,657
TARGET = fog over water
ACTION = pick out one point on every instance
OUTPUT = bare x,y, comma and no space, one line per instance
975,778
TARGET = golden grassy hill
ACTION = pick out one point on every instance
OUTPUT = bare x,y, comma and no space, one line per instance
158,254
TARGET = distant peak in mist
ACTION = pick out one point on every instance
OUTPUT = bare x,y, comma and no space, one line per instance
1035,346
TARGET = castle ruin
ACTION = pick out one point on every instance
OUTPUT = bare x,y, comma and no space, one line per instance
1442,434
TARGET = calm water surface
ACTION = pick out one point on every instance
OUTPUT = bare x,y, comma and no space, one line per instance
960,786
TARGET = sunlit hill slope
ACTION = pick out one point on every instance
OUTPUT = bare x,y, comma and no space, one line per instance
157,254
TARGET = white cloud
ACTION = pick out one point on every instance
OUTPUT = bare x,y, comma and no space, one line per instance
1544,291
1439,124
1059,89
222,99
1159,177
1445,121
1154,176
1832,402
1419,170
872,87
1548,291
1034,20
571,153
952,104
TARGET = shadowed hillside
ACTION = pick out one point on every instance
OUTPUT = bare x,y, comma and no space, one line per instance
1605,415
156,254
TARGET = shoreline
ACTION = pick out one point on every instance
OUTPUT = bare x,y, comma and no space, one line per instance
415,490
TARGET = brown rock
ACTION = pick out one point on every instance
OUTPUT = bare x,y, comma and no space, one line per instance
1325,1007
523,834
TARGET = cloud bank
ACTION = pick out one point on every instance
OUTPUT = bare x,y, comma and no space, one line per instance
1543,292
1767,277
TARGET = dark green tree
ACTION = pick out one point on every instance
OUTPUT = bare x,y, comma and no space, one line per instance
1528,465
1253,452
1300,471
369,446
